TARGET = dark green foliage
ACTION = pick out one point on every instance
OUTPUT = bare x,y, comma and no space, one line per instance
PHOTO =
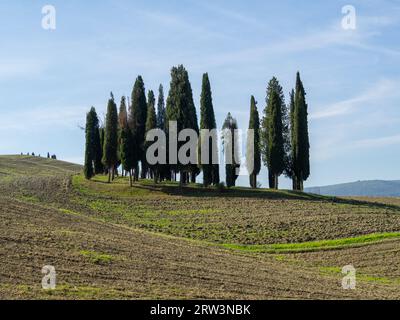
127,152
273,133
207,121
91,134
181,108
163,171
110,148
300,139
138,121
253,154
161,109
98,152
122,123
151,123
229,145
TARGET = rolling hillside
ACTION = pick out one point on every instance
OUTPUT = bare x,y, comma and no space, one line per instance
371,188
160,241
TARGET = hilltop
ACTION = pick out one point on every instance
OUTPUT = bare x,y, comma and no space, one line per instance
162,241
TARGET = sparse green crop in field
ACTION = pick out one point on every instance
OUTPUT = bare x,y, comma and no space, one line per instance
97,257
317,245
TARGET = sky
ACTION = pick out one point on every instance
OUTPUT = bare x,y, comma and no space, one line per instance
49,79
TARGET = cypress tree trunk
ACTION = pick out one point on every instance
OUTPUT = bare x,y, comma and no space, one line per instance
109,175
253,180
271,180
130,178
294,183
276,180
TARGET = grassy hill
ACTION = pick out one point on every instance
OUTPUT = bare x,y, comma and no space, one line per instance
162,241
371,188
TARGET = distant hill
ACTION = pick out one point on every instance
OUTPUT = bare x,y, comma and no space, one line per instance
371,188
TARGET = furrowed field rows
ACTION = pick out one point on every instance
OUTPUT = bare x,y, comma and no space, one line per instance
139,262
112,241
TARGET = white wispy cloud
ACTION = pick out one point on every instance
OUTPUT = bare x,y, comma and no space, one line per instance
321,38
19,68
43,118
374,94
377,142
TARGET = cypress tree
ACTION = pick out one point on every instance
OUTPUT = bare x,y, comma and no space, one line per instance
110,148
289,170
161,109
126,142
122,123
163,170
253,154
90,130
207,121
300,139
98,150
138,116
180,108
273,141
151,123
229,145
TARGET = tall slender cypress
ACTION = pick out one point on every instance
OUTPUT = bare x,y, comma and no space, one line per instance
207,121
127,150
122,122
151,123
163,171
181,108
138,116
230,150
110,148
161,108
273,135
301,144
92,126
253,155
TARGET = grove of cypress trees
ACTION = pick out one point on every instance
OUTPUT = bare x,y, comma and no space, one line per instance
230,150
110,148
253,155
138,117
151,123
273,135
207,121
300,139
92,125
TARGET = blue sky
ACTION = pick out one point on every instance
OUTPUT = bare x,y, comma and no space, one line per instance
49,79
